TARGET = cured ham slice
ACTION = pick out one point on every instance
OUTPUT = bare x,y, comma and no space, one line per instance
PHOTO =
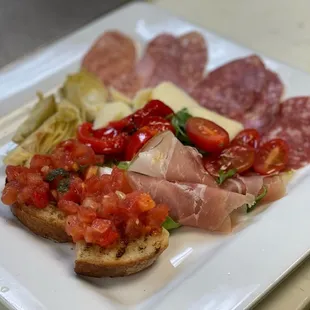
196,205
275,185
164,156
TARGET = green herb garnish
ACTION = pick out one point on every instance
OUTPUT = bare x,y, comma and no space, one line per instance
170,224
257,199
223,175
52,175
63,185
178,121
123,165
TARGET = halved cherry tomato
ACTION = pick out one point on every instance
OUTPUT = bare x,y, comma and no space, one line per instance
237,157
157,122
234,157
272,157
247,137
206,135
137,140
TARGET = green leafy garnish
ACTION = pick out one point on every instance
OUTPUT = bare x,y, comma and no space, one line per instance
52,175
63,185
170,224
123,165
178,121
223,175
258,199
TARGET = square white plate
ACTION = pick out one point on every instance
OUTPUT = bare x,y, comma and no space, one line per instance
198,270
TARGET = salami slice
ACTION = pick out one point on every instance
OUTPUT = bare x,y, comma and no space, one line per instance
292,125
111,56
243,90
194,57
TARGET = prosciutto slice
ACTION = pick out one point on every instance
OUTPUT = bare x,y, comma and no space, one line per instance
164,156
275,185
196,205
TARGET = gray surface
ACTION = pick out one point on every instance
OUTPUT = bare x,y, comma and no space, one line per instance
26,25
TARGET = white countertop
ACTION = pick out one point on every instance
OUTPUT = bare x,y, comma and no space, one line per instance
279,29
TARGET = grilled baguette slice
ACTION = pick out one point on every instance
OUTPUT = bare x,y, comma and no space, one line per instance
95,261
48,222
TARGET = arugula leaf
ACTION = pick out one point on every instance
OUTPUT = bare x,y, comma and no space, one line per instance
170,224
123,165
258,199
52,175
178,121
63,185
223,175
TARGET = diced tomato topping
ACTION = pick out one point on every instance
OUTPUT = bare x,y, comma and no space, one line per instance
68,207
87,215
75,228
40,161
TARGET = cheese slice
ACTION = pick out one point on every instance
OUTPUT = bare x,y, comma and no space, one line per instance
173,96
112,111
231,126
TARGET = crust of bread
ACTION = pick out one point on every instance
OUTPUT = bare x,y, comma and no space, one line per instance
48,223
95,261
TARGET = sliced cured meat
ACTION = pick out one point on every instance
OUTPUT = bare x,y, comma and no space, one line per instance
164,51
164,156
292,125
111,56
194,57
196,205
253,185
266,105
296,110
243,90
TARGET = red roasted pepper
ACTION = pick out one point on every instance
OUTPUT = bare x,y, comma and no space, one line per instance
104,145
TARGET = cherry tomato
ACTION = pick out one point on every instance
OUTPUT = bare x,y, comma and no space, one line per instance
237,157
212,165
206,135
137,140
157,122
105,145
247,137
271,157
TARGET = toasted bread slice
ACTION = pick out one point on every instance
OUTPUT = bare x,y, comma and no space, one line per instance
48,222
94,261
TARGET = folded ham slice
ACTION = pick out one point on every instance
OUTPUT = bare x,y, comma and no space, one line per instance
164,156
190,204
253,184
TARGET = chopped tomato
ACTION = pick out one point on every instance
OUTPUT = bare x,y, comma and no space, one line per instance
40,197
120,181
9,194
101,232
68,207
206,135
247,138
237,157
75,228
156,216
145,202
272,157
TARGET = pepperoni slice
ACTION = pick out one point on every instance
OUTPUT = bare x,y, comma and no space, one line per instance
111,56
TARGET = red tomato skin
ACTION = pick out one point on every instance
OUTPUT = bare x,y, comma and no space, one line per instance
157,122
247,137
261,165
237,157
206,135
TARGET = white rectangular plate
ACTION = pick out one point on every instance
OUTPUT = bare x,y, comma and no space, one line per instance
198,270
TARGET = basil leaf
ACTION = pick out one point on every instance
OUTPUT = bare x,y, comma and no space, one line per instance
123,165
178,121
223,175
258,199
63,185
170,224
52,175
